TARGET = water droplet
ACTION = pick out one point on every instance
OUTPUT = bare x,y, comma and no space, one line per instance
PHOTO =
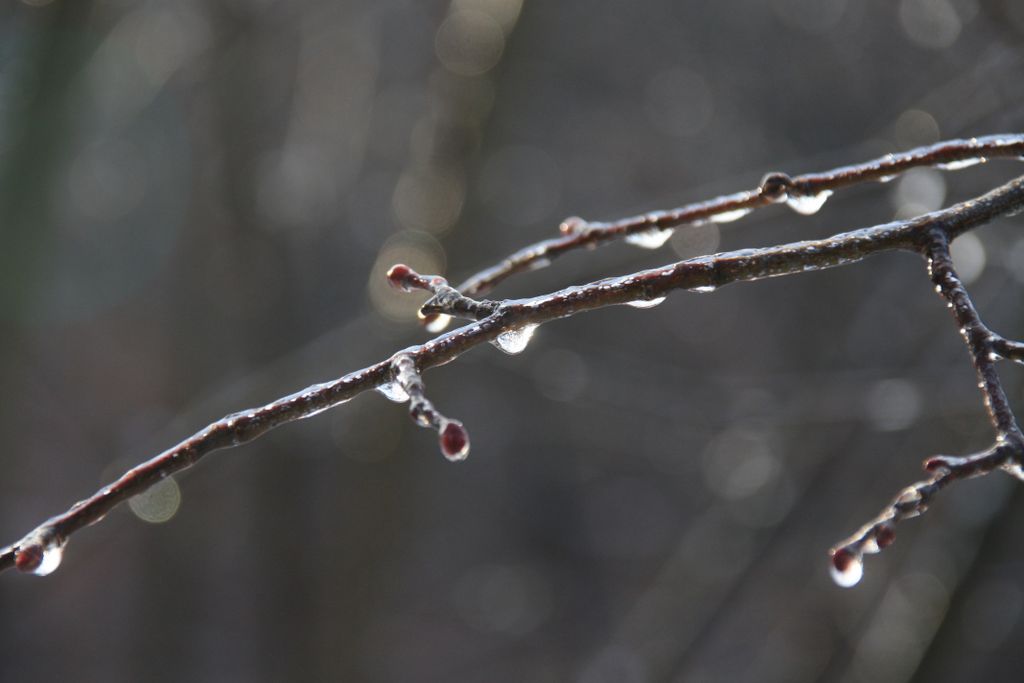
808,204
454,441
962,163
650,239
514,341
846,568
886,178
439,323
775,186
704,289
1014,469
393,391
729,216
36,558
539,263
645,303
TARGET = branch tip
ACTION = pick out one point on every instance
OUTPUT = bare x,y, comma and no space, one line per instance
846,567
404,278
454,441
452,436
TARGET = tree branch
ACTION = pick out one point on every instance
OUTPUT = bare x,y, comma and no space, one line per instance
804,194
509,324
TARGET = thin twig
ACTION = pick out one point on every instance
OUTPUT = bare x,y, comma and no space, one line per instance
1007,451
803,193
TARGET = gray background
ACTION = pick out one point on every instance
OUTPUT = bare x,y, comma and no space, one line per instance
198,201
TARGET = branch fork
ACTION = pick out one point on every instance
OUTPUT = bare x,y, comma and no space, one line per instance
452,436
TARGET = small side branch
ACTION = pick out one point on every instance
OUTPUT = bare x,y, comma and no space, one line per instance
453,437
447,301
1006,453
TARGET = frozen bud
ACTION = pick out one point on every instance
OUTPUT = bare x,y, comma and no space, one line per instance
774,186
847,567
572,225
39,558
401,277
28,558
454,440
885,534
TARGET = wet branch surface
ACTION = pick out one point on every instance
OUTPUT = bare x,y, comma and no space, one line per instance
508,324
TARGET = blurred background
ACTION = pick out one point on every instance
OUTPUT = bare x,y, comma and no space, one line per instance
198,202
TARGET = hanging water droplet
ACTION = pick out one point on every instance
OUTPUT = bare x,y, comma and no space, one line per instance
650,239
808,204
1014,470
438,323
704,289
39,559
729,216
539,263
962,163
514,341
846,568
886,178
393,391
645,303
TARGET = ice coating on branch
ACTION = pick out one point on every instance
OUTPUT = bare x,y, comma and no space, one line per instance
846,567
703,289
652,238
808,204
393,391
645,303
962,163
515,341
39,558
729,216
